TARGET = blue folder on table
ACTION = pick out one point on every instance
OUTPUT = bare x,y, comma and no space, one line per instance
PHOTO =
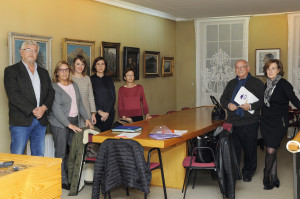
127,128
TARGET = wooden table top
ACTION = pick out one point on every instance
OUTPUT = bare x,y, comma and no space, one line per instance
196,120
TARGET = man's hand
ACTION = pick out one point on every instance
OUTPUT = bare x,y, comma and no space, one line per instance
39,111
232,107
245,107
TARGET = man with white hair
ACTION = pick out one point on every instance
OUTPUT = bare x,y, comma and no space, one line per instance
30,95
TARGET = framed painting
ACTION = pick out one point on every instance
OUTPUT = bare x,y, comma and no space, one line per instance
131,59
151,62
167,66
74,47
262,56
111,54
44,58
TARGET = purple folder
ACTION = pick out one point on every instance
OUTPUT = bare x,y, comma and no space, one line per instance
159,136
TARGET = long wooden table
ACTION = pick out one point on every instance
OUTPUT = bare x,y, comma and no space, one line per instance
196,120
38,177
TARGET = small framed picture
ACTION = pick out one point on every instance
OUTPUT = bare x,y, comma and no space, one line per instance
15,41
111,54
167,66
262,56
151,63
131,59
74,47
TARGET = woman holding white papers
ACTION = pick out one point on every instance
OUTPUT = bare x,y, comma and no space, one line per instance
274,119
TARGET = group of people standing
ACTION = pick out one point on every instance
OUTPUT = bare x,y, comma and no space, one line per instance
72,100
270,114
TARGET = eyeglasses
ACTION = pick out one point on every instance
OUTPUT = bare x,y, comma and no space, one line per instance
64,70
30,50
272,69
239,68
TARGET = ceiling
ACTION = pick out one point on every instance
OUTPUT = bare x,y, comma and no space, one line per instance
193,9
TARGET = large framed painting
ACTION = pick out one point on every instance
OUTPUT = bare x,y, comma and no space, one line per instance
111,54
262,56
15,41
151,63
74,47
167,66
131,59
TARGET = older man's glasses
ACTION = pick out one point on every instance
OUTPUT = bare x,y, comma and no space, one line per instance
66,70
240,68
31,50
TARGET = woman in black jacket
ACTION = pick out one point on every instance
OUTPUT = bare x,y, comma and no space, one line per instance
274,118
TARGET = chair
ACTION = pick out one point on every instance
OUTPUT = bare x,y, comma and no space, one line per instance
185,108
125,159
190,165
171,112
85,158
293,118
155,116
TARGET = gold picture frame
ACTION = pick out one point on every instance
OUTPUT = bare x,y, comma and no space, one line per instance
74,47
44,58
167,66
151,63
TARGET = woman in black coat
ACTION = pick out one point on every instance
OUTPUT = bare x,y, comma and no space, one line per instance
274,118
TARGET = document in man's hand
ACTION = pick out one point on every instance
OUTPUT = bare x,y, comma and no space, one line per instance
245,96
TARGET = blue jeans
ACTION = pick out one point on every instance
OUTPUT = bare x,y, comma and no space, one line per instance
20,135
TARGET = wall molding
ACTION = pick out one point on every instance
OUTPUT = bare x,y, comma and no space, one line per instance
140,9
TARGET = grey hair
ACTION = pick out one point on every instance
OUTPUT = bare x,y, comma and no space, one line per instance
30,42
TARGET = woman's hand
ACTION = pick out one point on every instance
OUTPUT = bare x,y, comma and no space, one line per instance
232,107
94,119
128,119
89,124
148,116
74,128
104,115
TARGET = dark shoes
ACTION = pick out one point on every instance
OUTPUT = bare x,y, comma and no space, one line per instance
65,186
272,185
247,179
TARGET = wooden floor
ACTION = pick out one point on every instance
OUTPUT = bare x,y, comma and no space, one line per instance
206,188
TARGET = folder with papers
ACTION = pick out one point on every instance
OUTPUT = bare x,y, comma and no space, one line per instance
245,96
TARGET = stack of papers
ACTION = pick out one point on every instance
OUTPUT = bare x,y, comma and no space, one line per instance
127,129
127,135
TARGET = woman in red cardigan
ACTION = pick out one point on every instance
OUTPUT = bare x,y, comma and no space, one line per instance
130,98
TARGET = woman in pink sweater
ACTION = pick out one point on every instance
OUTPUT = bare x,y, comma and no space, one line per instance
130,98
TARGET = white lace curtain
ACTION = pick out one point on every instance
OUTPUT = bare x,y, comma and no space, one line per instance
219,44
294,52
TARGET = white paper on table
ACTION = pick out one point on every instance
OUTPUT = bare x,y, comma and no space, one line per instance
180,132
244,96
127,135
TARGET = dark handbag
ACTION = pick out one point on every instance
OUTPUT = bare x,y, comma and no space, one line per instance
205,155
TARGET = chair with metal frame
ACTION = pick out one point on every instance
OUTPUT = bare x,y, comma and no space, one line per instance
190,164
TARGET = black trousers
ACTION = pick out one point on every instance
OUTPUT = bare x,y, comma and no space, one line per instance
245,137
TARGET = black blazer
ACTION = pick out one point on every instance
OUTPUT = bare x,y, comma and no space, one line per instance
21,95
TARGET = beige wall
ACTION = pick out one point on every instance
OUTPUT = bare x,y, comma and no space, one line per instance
185,62
269,31
89,20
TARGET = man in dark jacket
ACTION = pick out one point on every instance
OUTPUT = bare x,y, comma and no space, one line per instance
30,94
245,124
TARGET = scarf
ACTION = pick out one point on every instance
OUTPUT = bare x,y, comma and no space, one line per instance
269,90
240,83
